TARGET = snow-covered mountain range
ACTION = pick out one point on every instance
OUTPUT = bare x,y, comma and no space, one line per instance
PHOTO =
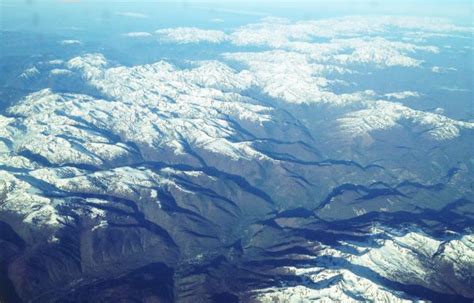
262,175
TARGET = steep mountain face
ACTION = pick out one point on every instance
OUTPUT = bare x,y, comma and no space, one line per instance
217,183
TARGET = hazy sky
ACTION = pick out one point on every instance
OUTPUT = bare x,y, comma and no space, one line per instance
452,8
16,13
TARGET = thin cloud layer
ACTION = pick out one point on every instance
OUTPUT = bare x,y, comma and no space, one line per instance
132,15
402,95
138,35
70,42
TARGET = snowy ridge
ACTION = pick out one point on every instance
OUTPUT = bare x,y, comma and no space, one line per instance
285,75
215,74
197,113
291,77
61,141
154,105
277,32
345,34
409,257
384,115
191,35
123,182
379,51
337,286
20,197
